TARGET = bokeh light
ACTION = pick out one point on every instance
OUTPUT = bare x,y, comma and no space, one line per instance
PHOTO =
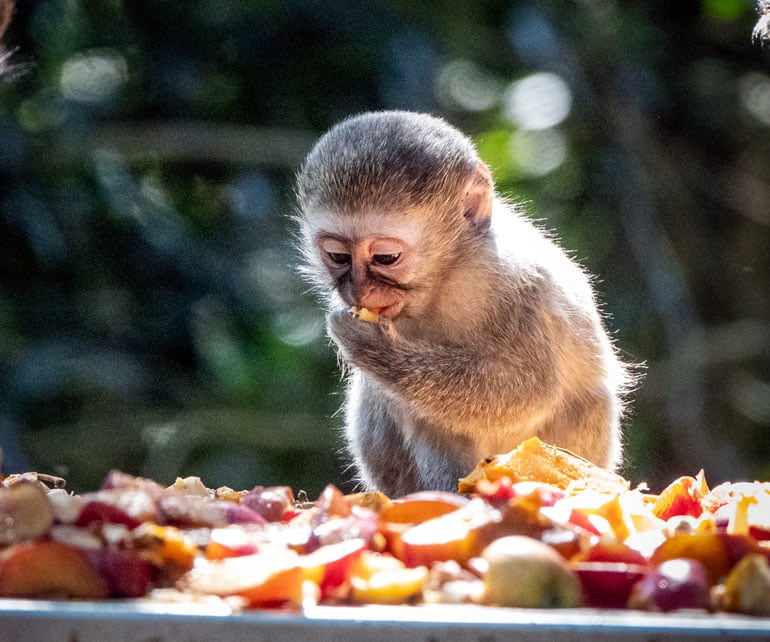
539,101
755,96
462,84
538,152
93,76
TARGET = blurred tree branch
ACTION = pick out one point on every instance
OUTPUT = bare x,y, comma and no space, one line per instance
186,141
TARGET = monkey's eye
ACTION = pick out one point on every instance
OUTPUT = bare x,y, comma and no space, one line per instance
385,259
339,258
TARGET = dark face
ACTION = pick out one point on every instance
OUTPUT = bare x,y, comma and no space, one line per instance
372,271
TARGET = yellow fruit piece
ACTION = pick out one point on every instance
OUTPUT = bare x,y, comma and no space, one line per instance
534,460
381,579
169,543
747,587
366,314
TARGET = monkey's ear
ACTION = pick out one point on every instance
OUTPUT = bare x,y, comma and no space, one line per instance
478,197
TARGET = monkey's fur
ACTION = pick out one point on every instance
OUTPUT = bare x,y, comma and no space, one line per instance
497,336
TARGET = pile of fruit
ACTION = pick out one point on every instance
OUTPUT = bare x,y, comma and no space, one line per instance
537,527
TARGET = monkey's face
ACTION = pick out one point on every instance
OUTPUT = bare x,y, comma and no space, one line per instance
370,263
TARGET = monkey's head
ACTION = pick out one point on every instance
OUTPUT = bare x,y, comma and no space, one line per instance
388,202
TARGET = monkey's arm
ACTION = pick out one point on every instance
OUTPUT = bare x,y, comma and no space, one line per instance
452,382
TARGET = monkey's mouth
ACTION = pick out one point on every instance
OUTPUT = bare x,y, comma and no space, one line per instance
391,311
372,314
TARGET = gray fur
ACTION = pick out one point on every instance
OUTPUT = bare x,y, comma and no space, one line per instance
501,339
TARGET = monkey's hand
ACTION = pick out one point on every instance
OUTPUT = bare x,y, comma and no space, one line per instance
361,341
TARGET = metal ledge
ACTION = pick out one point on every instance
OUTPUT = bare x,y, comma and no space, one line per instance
142,621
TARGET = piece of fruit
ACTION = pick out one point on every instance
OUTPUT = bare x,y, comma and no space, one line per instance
49,569
675,584
382,579
747,587
270,577
718,552
167,544
458,535
25,512
127,574
609,550
139,505
534,460
101,512
370,315
503,489
419,507
230,542
190,511
329,566
681,497
272,503
405,512
608,585
524,572
373,500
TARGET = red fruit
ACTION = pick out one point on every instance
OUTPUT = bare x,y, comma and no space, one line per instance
271,503
682,497
98,511
675,584
127,574
579,518
606,550
330,565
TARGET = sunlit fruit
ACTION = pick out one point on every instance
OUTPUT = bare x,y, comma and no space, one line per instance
458,535
675,584
747,587
382,579
524,572
269,577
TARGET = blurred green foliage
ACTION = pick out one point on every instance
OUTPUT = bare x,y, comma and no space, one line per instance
150,316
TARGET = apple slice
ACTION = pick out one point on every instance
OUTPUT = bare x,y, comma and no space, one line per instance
49,569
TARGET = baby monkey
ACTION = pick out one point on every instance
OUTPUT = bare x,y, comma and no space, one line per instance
487,332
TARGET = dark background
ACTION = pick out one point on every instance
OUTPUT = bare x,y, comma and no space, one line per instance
150,317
